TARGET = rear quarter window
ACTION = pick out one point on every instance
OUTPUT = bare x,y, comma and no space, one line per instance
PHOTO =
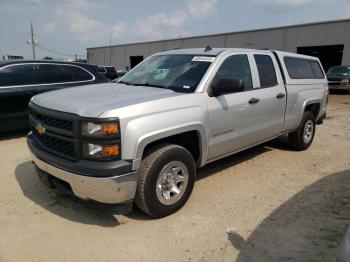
303,68
80,74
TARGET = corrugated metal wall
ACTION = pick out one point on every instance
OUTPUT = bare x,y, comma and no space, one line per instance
286,39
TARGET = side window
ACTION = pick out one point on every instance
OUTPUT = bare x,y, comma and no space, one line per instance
80,74
301,68
266,70
317,69
51,73
17,75
236,66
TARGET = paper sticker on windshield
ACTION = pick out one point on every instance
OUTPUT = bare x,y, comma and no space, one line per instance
208,59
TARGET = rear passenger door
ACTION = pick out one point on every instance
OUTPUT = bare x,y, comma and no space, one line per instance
271,94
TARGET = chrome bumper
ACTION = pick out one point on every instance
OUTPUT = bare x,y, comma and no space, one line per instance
339,87
111,190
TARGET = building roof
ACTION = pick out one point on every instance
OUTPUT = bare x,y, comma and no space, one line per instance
235,32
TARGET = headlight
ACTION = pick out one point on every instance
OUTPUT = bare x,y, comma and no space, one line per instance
102,151
100,129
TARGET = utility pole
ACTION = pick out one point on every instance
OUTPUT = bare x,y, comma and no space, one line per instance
32,39
110,48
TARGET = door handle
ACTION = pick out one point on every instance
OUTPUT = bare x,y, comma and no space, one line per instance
253,100
280,95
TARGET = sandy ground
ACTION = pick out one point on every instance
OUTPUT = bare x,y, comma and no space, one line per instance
266,204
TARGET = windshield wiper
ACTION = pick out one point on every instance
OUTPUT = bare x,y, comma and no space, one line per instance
141,84
148,84
125,83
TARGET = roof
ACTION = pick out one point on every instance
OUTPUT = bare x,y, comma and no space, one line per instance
25,61
194,51
202,51
232,32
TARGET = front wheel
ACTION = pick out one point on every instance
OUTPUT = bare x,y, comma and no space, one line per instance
166,179
302,138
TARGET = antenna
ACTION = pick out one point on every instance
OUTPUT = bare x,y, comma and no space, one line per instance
208,48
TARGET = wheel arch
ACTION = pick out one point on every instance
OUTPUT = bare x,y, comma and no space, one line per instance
180,135
313,106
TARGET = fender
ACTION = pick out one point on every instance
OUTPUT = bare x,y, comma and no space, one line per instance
148,138
305,104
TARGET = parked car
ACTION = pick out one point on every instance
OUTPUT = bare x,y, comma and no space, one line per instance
120,73
338,78
108,71
20,80
141,139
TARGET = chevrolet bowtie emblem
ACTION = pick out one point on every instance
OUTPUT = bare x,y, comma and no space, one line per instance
41,130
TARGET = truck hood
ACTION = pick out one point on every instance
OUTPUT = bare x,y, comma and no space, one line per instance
93,100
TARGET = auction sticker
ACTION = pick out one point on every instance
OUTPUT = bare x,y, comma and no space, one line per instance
208,59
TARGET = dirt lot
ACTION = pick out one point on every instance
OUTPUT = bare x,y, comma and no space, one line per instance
266,204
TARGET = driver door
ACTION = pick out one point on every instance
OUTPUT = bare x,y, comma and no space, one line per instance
233,120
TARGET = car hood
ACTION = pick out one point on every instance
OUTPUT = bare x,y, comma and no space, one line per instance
93,100
337,77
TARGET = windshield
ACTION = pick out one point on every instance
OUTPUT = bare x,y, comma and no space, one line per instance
339,70
181,73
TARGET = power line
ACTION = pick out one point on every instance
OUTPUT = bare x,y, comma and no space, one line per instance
57,52
34,42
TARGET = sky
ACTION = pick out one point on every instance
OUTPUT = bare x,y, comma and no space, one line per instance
64,28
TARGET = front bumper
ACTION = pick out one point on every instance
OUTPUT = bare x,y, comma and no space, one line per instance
105,182
111,190
339,87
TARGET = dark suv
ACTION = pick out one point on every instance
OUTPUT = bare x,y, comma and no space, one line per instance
339,78
108,71
20,80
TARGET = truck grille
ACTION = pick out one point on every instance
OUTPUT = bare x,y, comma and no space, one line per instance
57,145
52,121
55,132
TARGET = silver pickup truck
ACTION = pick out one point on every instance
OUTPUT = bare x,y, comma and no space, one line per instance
141,139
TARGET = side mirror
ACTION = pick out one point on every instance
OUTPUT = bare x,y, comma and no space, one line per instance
227,86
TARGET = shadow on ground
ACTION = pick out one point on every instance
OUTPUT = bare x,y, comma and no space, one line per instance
13,134
235,159
104,215
308,227
60,204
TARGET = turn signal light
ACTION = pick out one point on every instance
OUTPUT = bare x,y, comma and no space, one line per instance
111,150
110,129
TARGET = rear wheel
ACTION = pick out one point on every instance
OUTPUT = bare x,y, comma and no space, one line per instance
302,138
166,179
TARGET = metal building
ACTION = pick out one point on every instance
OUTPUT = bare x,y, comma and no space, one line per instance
329,40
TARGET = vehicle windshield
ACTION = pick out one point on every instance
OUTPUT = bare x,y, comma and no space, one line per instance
339,70
181,73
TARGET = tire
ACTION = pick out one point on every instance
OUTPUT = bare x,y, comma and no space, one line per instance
166,179
302,138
